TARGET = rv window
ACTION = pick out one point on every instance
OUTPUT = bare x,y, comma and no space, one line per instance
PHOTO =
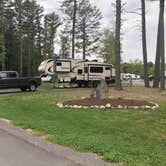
85,69
59,64
96,69
79,71
107,68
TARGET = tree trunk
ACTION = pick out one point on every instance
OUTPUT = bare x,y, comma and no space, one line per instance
118,44
2,35
73,29
146,79
3,52
19,3
84,40
29,61
158,52
39,43
52,47
162,47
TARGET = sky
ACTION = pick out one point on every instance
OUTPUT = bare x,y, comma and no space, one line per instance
131,29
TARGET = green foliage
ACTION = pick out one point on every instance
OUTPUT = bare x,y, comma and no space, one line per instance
2,49
136,67
87,25
108,50
134,137
65,41
87,28
51,23
23,35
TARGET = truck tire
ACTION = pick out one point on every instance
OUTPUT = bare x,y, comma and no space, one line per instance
32,87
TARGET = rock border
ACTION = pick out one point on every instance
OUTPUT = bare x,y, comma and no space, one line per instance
109,106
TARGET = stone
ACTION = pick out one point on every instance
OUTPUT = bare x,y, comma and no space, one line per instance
108,105
120,106
102,90
96,106
147,107
135,107
102,107
125,106
60,105
75,106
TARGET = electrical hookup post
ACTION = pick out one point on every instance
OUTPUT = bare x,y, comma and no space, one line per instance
54,75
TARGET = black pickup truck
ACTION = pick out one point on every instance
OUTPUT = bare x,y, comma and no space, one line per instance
11,79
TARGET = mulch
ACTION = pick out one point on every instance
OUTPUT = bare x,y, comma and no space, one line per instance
89,102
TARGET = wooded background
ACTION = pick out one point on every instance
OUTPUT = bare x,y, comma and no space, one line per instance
28,36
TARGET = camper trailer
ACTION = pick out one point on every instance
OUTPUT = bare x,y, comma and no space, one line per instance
82,73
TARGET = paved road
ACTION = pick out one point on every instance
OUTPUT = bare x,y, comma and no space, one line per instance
16,152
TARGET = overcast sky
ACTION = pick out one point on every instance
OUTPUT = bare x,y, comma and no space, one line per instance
131,43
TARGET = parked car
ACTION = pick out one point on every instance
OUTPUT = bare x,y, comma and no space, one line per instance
127,76
11,79
46,78
151,78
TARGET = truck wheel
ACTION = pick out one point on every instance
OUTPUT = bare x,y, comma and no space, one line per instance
23,89
32,87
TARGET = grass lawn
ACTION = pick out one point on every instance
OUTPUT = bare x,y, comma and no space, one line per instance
134,137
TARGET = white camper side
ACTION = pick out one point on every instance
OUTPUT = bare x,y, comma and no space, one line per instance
82,73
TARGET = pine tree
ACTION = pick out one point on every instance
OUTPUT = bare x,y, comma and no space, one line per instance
108,50
159,73
3,7
144,46
65,43
51,23
88,26
162,46
70,8
30,31
19,16
118,44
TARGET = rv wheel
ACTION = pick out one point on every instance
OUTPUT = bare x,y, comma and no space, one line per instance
80,85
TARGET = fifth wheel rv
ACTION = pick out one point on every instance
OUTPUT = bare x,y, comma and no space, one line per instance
82,73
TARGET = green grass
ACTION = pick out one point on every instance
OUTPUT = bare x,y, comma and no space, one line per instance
134,137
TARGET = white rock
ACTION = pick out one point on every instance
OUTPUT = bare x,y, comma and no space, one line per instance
60,105
125,106
108,105
102,107
75,106
135,107
96,106
147,107
120,106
